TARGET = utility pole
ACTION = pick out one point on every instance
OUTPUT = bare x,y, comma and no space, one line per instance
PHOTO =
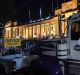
60,25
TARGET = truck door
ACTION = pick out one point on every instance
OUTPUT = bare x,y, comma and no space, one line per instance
74,32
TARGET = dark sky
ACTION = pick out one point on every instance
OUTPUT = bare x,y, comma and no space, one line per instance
34,6
19,9
6,9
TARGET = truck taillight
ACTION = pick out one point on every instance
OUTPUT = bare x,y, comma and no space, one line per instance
13,64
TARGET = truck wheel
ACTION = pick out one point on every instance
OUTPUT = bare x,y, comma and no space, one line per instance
2,71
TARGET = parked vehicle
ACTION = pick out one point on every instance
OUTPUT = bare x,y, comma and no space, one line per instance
65,51
13,59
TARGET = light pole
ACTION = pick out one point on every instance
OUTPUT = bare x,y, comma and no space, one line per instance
60,19
30,16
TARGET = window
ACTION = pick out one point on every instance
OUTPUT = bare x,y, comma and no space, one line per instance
57,4
48,45
78,3
11,51
75,31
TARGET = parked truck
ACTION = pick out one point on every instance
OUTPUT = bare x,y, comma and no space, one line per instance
14,58
61,53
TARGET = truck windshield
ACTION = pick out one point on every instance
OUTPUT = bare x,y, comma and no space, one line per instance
75,30
10,51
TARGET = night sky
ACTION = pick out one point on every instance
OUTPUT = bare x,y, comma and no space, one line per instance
34,7
19,9
6,10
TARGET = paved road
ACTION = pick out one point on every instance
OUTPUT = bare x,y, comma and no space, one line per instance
20,72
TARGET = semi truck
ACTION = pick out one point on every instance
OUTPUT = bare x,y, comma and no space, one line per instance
60,56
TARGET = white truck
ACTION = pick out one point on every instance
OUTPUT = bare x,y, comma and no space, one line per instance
13,59
71,42
66,49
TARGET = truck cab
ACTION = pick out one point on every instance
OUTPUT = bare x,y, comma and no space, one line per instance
74,36
71,64
12,60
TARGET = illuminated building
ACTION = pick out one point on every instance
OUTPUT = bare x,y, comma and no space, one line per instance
44,28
